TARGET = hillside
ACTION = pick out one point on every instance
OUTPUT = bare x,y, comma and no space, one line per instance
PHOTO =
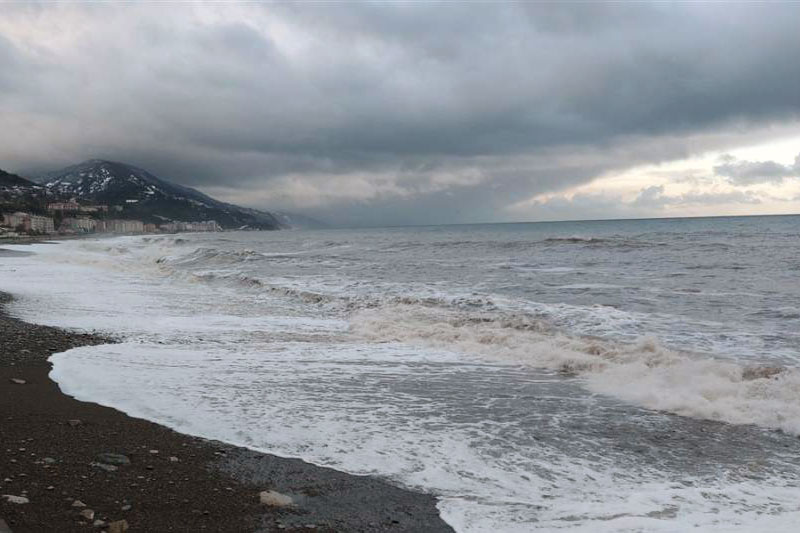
12,181
144,196
19,194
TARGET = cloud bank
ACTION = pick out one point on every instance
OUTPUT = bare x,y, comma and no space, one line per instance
400,113
755,172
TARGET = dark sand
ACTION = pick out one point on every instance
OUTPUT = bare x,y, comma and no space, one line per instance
211,486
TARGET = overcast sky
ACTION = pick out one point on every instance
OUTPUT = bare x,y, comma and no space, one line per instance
411,113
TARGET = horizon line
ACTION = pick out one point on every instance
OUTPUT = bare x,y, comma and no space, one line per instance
562,221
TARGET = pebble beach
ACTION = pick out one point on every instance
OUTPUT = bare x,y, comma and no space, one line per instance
70,466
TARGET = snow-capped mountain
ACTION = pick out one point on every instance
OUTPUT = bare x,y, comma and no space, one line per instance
140,194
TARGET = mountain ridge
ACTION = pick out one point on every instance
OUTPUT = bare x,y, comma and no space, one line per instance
144,195
7,179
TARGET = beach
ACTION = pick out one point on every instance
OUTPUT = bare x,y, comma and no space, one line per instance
52,448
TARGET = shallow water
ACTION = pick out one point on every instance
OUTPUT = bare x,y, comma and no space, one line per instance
605,376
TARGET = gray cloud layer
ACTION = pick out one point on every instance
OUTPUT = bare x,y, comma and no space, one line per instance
370,114
755,172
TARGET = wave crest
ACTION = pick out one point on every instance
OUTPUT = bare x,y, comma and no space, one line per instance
642,373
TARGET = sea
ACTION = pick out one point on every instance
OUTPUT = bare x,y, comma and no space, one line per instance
636,375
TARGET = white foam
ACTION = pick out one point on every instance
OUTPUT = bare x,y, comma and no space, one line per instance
644,374
336,406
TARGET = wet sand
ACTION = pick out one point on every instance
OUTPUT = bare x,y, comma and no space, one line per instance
49,454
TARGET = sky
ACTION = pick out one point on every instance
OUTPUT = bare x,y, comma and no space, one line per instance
391,113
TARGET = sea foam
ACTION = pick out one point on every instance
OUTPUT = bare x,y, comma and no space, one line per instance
643,373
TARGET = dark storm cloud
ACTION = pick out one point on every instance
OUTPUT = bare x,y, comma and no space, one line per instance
370,113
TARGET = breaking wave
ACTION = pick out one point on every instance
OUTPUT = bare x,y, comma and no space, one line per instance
643,373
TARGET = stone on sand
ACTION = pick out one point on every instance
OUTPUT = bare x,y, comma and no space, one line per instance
103,466
113,459
275,499
19,500
120,526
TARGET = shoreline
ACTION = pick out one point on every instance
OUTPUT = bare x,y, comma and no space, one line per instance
44,239
50,443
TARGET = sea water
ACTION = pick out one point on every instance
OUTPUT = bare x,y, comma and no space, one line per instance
580,376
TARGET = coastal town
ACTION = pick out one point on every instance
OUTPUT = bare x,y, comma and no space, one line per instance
101,196
73,218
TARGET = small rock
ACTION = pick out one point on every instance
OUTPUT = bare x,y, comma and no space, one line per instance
173,459
99,524
120,526
50,487
126,507
103,466
49,461
78,503
275,499
154,452
18,381
88,514
74,422
19,500
113,459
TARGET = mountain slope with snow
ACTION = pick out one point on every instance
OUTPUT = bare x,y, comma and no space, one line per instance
143,195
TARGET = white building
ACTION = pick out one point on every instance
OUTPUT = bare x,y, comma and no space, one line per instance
42,224
79,224
29,222
176,226
120,226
